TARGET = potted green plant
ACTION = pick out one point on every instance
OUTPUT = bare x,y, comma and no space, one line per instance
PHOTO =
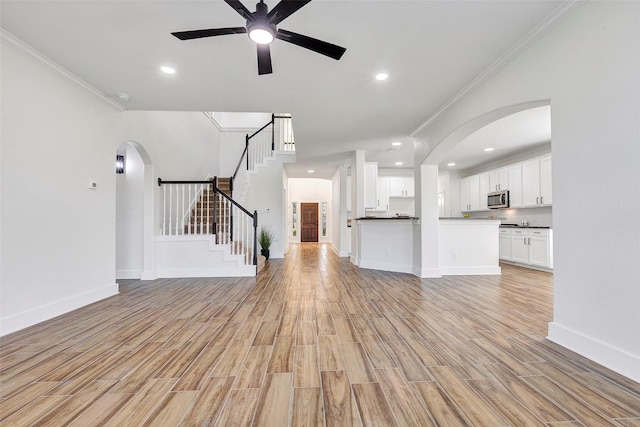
265,239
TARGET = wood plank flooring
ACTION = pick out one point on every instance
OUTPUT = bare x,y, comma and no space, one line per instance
312,341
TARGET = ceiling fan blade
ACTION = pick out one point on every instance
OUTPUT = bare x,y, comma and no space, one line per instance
319,46
240,8
264,59
284,9
198,34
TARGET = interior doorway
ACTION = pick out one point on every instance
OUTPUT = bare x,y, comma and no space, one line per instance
134,213
309,222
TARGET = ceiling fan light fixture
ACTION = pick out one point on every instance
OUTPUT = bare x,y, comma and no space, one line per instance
261,32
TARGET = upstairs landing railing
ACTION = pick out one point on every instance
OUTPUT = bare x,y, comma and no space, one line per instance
201,208
275,135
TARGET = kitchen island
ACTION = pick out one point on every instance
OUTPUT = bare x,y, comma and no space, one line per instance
469,246
384,243
465,245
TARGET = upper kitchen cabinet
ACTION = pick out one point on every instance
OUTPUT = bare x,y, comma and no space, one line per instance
382,202
470,193
536,182
499,179
515,185
400,186
370,185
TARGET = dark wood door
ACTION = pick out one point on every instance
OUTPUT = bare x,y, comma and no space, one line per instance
309,222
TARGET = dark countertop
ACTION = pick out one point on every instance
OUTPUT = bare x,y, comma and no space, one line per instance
523,226
386,217
466,219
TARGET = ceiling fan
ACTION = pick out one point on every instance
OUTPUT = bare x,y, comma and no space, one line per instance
261,27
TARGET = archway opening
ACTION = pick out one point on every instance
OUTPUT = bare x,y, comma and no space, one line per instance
134,213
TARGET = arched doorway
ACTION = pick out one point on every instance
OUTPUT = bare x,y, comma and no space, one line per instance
134,214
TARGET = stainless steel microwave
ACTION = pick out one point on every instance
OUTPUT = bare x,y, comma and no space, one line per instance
498,199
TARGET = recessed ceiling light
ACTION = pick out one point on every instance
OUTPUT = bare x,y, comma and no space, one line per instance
396,143
168,70
399,163
382,76
124,96
451,164
310,171
488,149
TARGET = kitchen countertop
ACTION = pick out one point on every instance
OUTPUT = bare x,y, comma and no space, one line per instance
386,217
523,226
466,219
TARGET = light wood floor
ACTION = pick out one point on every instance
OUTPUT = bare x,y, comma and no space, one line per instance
312,341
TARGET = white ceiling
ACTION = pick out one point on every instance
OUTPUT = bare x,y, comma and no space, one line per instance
518,132
431,49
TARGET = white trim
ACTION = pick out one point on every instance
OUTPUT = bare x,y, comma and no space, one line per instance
128,274
29,52
148,275
336,251
243,271
30,317
470,271
386,266
614,358
560,14
427,273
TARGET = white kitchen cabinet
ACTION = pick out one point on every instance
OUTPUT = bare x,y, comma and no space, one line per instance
539,248
383,195
485,188
470,193
519,247
531,246
536,182
499,179
546,196
505,244
370,185
515,186
400,186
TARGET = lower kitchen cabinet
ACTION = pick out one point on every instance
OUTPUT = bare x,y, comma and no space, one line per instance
505,244
527,246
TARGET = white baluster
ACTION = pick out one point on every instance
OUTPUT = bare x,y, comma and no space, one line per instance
208,195
164,210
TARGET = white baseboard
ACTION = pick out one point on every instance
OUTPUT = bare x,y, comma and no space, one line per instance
386,266
427,273
128,274
470,271
173,273
337,251
148,275
616,359
40,314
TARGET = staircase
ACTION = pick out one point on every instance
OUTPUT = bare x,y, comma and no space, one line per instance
205,231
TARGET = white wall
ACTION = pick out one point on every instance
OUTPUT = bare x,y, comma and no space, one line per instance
312,190
130,215
339,240
588,68
266,196
58,236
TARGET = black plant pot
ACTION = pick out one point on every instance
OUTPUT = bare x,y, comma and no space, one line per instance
264,253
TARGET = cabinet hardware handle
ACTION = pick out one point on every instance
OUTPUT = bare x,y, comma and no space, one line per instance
537,203
541,202
525,240
529,241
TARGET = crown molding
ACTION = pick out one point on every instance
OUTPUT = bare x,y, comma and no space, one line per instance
562,12
21,47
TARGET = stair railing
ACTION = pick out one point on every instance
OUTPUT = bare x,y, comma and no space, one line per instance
200,207
237,227
187,207
275,135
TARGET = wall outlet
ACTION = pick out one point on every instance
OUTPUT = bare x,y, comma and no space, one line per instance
93,185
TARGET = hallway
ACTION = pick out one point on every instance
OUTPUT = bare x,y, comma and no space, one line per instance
313,340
